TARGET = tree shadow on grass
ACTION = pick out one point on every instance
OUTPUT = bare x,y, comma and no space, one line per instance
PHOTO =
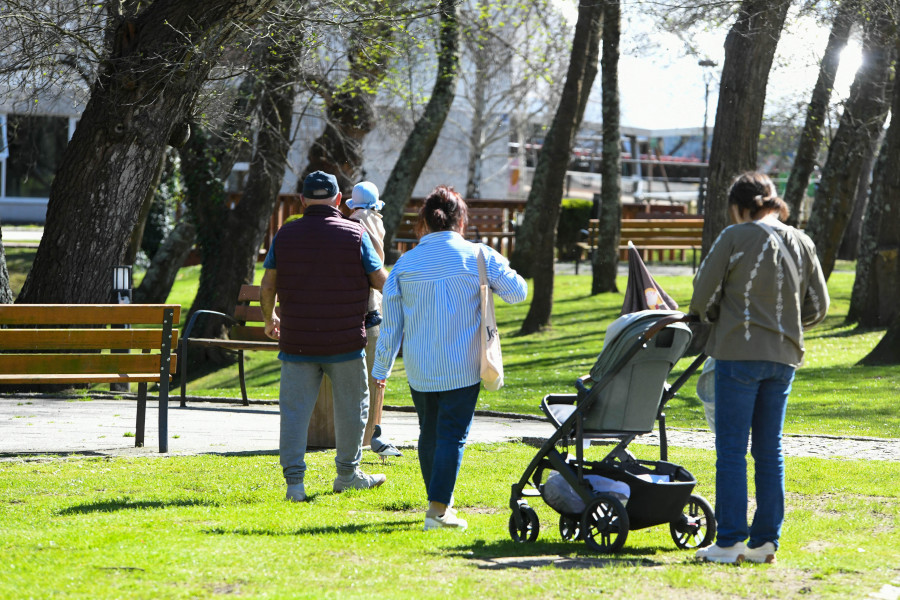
503,555
352,528
108,506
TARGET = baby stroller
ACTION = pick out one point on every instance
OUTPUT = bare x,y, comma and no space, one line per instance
600,501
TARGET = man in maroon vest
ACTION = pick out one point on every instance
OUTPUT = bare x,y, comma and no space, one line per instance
321,268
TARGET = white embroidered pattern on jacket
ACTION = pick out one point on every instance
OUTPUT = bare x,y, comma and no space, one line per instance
753,273
779,301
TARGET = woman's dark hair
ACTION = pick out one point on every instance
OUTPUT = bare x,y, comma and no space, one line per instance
753,191
443,210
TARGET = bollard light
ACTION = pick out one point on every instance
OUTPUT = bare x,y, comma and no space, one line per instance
122,283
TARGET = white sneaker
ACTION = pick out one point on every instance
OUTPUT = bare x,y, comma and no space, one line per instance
732,554
448,520
295,492
357,481
763,554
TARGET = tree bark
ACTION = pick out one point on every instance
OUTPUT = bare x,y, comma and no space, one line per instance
157,282
538,228
421,141
231,246
887,351
749,51
864,114
849,249
606,256
873,302
350,115
146,88
813,128
6,295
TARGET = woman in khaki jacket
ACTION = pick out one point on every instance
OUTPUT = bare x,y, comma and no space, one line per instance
760,285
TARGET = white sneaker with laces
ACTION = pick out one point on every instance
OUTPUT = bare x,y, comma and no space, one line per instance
448,520
715,553
762,554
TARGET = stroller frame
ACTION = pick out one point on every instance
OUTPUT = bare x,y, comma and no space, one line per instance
605,521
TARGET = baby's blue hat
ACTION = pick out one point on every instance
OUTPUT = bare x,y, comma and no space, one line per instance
365,195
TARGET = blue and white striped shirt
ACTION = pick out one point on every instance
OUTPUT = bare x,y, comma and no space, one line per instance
431,304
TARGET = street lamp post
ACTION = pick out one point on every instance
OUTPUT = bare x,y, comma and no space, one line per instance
707,78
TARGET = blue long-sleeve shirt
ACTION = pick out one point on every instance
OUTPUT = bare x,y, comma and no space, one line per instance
431,305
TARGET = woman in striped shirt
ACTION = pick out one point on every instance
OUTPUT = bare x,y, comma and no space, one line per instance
431,305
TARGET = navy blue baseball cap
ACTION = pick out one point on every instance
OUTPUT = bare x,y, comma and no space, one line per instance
320,186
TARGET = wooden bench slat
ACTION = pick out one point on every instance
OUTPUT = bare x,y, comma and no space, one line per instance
235,344
85,314
249,293
81,364
255,333
82,339
53,378
248,313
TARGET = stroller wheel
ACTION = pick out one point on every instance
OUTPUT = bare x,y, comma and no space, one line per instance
696,528
530,525
604,524
569,528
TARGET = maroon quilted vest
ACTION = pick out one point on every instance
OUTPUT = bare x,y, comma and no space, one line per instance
323,289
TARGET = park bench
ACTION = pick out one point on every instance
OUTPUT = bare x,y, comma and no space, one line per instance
487,225
663,239
68,344
247,332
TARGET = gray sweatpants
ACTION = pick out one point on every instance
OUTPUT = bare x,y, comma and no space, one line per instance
297,398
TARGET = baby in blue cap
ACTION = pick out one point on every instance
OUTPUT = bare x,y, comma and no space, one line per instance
366,209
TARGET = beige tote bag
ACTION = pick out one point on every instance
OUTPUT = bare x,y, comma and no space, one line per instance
491,357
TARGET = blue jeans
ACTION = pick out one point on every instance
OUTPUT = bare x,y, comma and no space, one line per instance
444,422
297,397
751,399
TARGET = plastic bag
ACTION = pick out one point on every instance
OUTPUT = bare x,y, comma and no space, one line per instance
561,497
706,390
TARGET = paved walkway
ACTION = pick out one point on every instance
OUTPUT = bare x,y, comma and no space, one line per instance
34,424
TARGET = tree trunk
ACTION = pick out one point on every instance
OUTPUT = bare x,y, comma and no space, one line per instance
850,242
813,128
6,295
864,114
749,51
606,257
887,351
538,229
146,88
873,302
157,282
481,59
231,249
420,142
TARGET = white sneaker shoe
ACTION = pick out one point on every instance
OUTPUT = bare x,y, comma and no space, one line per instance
448,520
295,492
762,554
715,553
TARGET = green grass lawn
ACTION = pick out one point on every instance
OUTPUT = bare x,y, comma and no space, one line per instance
217,526
831,395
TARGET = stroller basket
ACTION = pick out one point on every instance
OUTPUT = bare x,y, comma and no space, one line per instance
626,396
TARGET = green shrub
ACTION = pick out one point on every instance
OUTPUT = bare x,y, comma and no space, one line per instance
573,217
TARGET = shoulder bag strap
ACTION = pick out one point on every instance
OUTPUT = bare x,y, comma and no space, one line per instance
482,267
785,255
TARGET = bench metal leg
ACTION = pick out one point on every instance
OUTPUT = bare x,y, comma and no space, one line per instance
241,373
165,371
182,367
141,416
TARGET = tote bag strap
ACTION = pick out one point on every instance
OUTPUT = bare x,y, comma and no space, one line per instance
482,267
785,255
